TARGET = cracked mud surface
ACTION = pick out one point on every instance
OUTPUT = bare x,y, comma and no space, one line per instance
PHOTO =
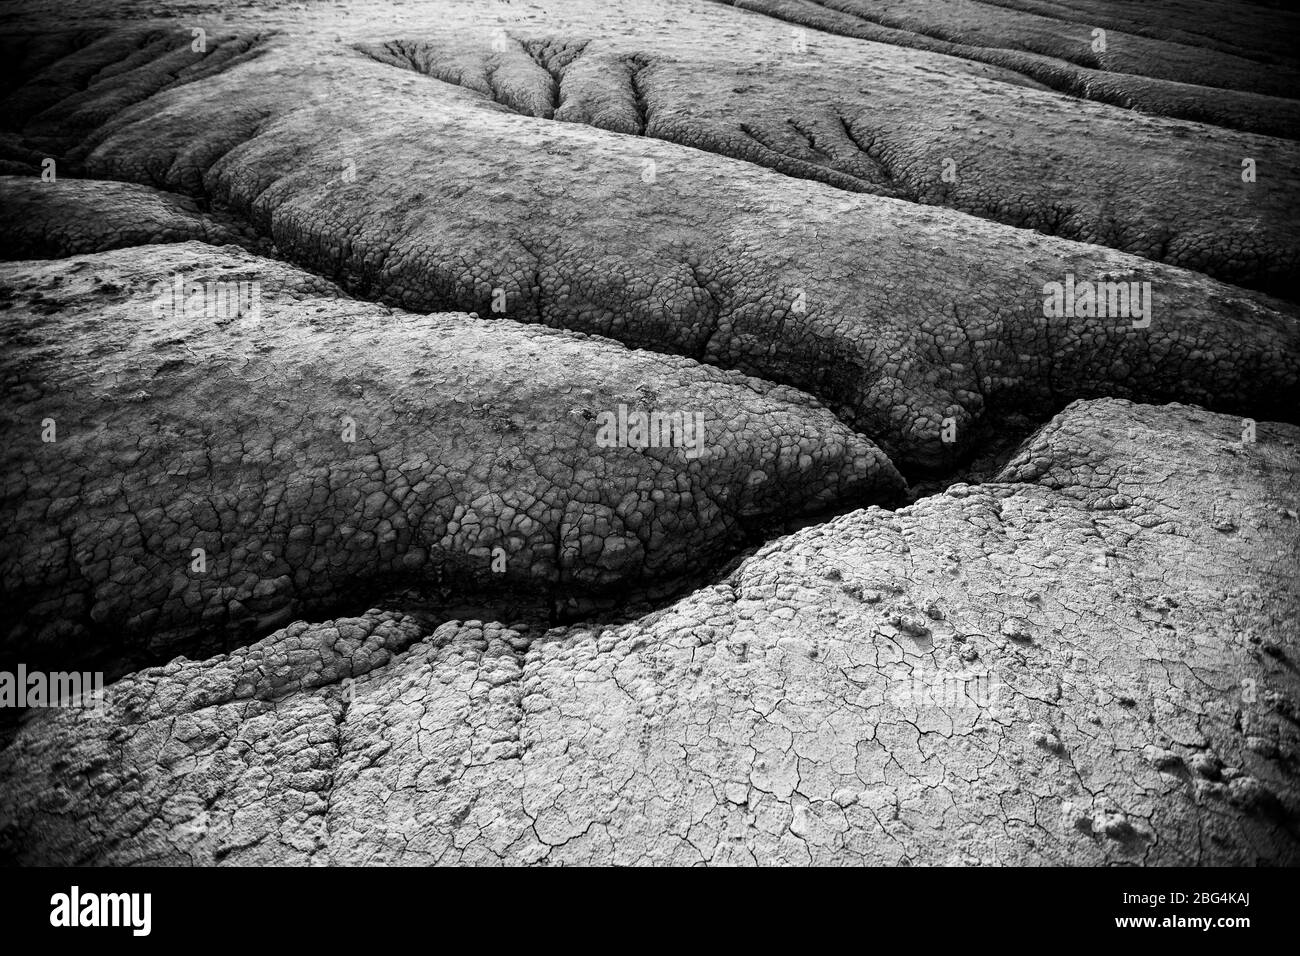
1114,610
470,435
940,577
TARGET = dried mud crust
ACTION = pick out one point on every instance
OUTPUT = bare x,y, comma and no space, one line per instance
67,217
927,130
323,445
1087,654
863,301
1251,87
1126,592
878,114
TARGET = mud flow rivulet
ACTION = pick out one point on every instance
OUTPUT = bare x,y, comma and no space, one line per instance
649,433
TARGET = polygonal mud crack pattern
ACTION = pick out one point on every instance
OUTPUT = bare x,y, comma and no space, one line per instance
858,304
856,300
70,216
319,444
1095,695
1084,652
886,140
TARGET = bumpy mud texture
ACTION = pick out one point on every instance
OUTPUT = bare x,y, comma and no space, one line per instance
1252,87
429,197
937,133
311,444
1104,637
71,216
316,308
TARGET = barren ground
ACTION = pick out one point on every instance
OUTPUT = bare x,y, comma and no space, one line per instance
925,570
